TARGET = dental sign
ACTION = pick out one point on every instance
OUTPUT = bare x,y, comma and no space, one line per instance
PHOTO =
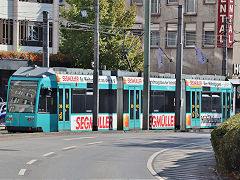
225,11
236,69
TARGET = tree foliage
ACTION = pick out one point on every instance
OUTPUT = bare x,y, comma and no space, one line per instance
78,41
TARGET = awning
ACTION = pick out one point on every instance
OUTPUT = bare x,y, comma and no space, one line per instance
12,64
234,81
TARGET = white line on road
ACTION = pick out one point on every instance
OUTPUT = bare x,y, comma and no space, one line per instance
78,138
48,154
160,141
22,172
149,164
95,142
68,148
32,161
151,159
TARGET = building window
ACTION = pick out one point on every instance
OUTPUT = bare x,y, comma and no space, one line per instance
209,1
6,31
38,1
171,35
172,1
190,35
155,9
137,29
191,6
45,1
209,38
154,38
31,33
138,2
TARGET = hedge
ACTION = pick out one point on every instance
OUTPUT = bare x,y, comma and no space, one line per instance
226,145
58,59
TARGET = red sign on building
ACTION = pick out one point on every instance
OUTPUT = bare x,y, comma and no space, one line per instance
225,11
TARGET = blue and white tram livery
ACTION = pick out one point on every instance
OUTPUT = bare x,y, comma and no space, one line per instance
56,99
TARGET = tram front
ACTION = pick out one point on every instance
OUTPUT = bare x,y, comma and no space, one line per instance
21,105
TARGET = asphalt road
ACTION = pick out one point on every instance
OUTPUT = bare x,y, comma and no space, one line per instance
117,155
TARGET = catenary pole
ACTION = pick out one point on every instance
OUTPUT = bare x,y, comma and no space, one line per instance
178,108
96,69
146,81
45,39
224,61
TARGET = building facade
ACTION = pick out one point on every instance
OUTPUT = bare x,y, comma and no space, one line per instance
21,29
202,20
21,25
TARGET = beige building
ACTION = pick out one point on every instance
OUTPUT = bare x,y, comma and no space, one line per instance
201,20
21,23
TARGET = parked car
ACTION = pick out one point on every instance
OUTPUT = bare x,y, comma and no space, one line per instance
3,106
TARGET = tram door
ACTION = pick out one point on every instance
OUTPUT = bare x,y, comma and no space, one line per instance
226,107
134,108
196,110
64,122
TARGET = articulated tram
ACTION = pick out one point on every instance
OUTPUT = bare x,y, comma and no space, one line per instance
56,99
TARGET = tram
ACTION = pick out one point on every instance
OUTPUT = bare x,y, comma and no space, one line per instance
56,99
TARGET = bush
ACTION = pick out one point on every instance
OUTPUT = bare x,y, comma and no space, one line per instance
58,59
226,145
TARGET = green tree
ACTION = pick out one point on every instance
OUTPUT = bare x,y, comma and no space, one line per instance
78,41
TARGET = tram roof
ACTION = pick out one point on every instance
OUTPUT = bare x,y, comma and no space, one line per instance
45,71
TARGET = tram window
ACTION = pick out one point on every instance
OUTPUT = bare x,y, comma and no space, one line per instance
211,102
125,101
188,102
216,103
48,101
89,102
107,101
169,101
82,101
141,100
79,100
206,102
20,100
157,101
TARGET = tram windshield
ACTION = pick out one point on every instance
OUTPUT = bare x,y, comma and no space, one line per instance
22,96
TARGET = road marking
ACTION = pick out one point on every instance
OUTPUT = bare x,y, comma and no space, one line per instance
160,141
32,161
68,148
48,154
22,172
78,138
152,157
149,164
95,142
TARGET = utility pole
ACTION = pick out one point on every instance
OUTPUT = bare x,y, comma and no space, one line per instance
178,109
15,26
224,61
96,69
45,39
146,80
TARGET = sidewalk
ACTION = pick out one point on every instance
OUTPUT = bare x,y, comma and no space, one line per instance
192,161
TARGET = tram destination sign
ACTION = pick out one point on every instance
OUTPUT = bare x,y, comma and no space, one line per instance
153,81
63,78
207,83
